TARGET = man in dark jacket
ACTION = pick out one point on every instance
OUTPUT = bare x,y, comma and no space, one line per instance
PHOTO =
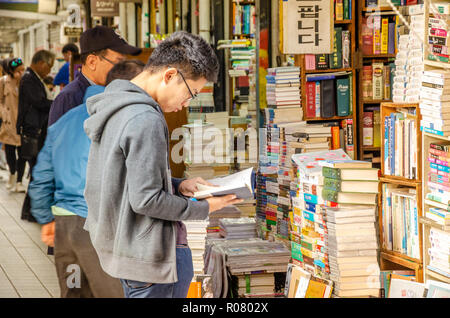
101,49
34,106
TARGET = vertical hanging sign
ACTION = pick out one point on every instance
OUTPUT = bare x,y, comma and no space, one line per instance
308,26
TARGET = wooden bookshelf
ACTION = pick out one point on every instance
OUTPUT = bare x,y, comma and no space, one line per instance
427,139
391,259
347,25
365,59
428,224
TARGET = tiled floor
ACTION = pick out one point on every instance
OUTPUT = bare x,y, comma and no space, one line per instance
25,268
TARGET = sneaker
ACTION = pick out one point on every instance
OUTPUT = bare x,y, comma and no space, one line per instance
11,182
20,187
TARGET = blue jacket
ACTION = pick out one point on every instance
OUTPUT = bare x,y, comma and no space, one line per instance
71,96
63,75
59,176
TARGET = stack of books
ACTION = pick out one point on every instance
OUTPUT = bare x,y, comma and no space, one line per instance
350,189
194,147
352,251
301,284
254,284
241,61
409,62
438,183
306,219
196,237
264,256
438,28
400,144
204,102
283,87
400,220
228,212
435,102
439,252
441,216
237,228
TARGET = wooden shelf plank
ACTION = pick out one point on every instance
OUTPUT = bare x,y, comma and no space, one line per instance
446,138
438,276
329,70
379,56
371,148
376,101
371,9
343,21
330,118
431,223
400,180
401,259
436,64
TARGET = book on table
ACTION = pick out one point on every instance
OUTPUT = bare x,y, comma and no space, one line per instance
239,183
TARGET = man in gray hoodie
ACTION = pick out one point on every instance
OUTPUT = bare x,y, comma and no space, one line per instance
135,207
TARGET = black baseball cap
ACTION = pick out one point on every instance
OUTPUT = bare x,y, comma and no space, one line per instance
101,38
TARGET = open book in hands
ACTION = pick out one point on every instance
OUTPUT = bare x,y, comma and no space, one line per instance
239,183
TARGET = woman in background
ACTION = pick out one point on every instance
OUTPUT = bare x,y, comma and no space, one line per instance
9,101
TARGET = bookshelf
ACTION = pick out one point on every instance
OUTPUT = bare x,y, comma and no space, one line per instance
428,203
428,224
366,59
410,186
300,60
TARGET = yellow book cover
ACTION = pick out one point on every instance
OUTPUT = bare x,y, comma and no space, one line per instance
315,290
376,128
195,290
384,35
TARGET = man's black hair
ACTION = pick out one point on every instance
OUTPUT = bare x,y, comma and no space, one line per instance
187,52
70,47
126,70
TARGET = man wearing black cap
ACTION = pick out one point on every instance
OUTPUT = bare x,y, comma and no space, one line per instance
101,48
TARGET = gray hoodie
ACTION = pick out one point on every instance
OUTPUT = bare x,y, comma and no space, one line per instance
131,209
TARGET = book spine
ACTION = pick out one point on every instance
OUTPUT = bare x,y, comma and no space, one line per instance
335,58
368,129
391,38
343,96
335,137
367,83
347,8
387,82
386,146
346,42
350,146
376,35
318,99
392,143
377,75
310,62
384,35
339,10
367,35
331,173
310,99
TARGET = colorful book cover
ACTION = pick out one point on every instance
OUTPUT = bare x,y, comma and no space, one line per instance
377,78
368,129
343,96
376,34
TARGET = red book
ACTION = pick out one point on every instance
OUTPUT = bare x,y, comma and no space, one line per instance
367,35
411,2
310,99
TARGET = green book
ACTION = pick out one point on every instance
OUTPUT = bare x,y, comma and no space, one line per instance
332,184
350,79
343,96
369,174
346,10
335,58
330,195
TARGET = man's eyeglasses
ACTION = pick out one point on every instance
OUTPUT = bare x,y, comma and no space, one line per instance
193,96
16,62
107,59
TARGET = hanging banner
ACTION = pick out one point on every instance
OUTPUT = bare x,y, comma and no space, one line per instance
308,26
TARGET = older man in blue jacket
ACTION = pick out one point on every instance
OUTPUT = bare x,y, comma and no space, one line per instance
57,200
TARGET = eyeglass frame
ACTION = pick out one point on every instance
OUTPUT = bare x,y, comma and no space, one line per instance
107,59
190,92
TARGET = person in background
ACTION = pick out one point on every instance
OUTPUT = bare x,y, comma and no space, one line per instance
101,48
34,106
135,207
9,103
57,200
62,77
48,81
